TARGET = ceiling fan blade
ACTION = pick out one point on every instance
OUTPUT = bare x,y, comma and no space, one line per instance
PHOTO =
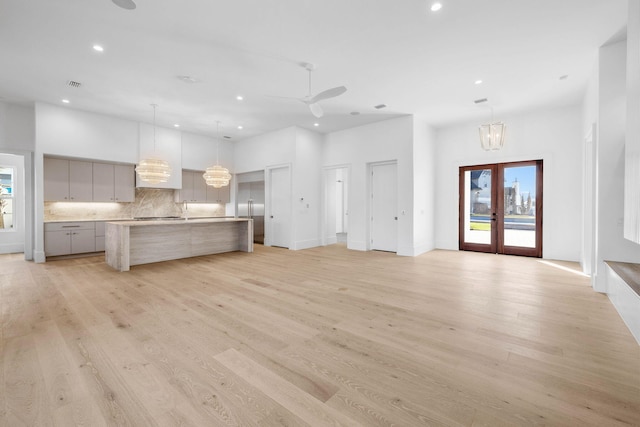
329,93
316,110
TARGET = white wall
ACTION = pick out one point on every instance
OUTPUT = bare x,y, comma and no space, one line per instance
67,132
17,128
632,147
611,244
270,149
423,186
199,152
551,135
300,149
360,146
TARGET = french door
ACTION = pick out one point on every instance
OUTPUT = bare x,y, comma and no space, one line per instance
501,208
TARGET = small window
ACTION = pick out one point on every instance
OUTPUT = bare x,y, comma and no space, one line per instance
7,176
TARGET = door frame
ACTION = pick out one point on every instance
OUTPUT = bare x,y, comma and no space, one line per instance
28,193
497,210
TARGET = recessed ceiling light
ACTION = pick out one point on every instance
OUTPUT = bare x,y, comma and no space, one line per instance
125,4
316,124
65,101
354,113
177,125
478,82
240,127
436,7
98,48
380,106
564,77
239,97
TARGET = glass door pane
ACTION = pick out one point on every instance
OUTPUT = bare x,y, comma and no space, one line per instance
478,208
478,213
520,206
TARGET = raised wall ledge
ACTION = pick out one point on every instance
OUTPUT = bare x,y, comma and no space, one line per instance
628,272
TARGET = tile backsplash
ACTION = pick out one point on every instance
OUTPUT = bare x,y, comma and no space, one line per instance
148,202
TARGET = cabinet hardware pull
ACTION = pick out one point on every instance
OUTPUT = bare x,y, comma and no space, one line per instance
70,226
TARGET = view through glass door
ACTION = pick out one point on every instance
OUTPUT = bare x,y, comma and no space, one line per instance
501,208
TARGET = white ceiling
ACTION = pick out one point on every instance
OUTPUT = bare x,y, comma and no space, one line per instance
395,52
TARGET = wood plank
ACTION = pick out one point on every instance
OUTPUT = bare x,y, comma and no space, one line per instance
301,404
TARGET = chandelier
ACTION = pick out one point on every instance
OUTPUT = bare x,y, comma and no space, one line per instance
152,169
217,176
492,136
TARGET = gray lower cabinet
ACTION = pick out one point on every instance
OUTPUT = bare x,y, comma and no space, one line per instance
100,229
65,238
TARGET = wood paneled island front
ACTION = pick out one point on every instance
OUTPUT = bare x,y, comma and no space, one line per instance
134,242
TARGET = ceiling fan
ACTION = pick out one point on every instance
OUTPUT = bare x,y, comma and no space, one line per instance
312,100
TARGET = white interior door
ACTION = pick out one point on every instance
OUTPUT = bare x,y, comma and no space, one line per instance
384,207
12,200
279,218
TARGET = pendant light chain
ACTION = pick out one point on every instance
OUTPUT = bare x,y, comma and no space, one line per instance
217,176
154,170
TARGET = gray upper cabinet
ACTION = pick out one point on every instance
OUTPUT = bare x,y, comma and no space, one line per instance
113,183
84,181
68,180
195,189
218,195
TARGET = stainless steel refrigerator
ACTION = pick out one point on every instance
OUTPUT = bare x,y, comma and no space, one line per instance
251,205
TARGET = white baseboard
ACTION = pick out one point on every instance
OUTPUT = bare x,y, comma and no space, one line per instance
626,302
356,245
306,244
11,248
38,256
331,240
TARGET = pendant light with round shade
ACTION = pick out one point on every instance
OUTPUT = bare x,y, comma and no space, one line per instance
154,170
217,176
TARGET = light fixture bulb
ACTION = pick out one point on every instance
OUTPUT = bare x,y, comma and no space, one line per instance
65,101
436,7
98,48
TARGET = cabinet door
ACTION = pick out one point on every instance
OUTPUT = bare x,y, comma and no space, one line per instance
224,194
186,192
80,181
218,195
199,187
103,182
124,183
57,242
83,241
56,180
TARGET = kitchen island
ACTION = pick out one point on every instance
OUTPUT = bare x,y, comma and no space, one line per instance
137,242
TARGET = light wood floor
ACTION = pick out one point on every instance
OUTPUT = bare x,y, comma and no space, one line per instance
318,337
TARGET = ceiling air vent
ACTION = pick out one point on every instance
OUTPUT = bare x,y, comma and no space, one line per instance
480,101
226,137
74,84
380,106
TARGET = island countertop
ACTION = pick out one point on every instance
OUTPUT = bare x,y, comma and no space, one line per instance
134,242
174,221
